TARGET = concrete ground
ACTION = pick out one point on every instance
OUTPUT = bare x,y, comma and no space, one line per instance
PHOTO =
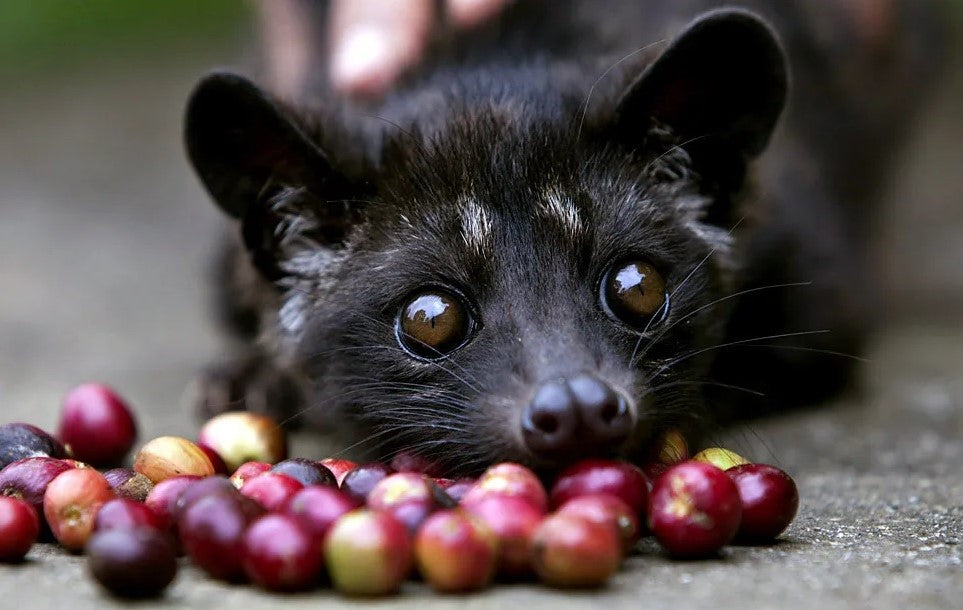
104,234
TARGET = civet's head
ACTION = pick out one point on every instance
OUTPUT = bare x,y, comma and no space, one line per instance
517,284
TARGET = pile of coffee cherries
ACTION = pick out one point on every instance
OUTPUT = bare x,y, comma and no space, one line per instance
240,510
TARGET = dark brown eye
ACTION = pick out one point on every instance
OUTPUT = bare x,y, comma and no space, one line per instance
634,292
434,323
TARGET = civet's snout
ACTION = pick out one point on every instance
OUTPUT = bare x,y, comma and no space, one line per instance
578,415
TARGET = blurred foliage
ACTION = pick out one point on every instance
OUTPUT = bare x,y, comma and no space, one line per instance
42,35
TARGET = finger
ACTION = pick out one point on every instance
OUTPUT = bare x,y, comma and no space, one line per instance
469,13
374,41
287,45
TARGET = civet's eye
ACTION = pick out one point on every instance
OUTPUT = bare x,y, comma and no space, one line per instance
433,323
634,292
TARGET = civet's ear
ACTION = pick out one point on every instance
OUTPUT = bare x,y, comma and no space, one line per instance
722,82
262,169
240,142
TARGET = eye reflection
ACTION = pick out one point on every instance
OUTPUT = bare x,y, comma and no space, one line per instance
634,292
629,278
433,324
427,307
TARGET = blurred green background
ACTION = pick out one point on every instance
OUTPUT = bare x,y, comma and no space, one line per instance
51,35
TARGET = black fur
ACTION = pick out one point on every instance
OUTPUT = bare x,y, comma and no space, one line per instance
348,210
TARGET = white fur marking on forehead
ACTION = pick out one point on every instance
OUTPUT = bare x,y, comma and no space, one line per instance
476,226
561,210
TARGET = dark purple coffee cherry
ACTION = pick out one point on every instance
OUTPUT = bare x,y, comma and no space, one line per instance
19,441
308,472
359,482
133,563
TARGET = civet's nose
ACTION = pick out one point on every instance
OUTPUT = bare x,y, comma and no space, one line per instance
581,415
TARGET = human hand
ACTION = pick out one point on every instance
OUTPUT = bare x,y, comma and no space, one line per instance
374,41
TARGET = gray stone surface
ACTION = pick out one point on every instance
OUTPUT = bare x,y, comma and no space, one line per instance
103,238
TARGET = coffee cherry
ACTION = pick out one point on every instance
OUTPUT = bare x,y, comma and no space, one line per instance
670,449
211,530
170,456
128,483
280,555
359,482
317,507
769,501
307,472
596,476
397,488
19,441
570,550
402,488
271,489
694,510
607,510
722,459
123,513
513,520
71,503
97,425
509,479
407,461
217,462
368,553
455,551
248,470
162,498
27,479
338,467
198,489
673,448
241,436
19,528
132,563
